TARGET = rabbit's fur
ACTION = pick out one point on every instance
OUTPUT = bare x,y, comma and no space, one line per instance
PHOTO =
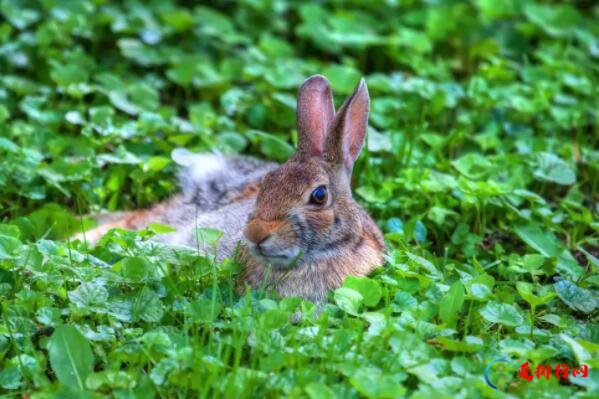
289,242
216,191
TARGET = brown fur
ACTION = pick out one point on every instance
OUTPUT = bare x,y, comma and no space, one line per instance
312,280
283,190
249,191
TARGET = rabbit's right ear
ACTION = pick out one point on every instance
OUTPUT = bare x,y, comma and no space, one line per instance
345,141
315,114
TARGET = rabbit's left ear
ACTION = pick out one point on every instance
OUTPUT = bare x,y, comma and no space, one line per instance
315,113
346,138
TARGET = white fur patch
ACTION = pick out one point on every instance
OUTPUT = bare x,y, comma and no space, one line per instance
199,166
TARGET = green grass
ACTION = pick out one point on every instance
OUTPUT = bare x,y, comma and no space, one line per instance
481,168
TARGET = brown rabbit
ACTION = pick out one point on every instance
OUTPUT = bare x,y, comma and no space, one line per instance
302,232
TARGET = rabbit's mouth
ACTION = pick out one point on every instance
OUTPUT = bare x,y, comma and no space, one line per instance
282,259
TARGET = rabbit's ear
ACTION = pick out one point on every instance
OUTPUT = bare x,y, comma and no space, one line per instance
315,113
345,140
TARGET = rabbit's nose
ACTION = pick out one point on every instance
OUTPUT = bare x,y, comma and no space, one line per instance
257,231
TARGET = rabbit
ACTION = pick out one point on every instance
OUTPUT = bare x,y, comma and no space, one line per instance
300,229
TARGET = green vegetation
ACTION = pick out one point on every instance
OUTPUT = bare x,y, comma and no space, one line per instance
482,168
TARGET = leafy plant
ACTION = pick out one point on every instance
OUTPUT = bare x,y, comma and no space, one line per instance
480,166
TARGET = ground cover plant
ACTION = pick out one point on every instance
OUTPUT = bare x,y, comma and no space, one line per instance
481,167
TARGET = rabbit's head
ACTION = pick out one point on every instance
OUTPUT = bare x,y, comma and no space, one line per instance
304,210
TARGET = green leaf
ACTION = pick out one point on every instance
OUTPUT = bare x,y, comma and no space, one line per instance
136,269
555,19
4,114
9,244
120,308
8,146
577,298
70,356
526,291
111,379
120,156
90,296
158,228
11,377
348,300
156,164
420,232
370,290
552,168
179,19
204,310
548,245
501,313
532,262
480,292
394,225
75,67
142,54
147,306
232,101
451,304
215,24
160,372
582,355
19,15
271,146
232,140
343,78
426,265
470,344
473,165
273,319
207,237
372,383
135,98
318,390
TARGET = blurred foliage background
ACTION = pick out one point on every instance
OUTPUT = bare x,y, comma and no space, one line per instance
481,166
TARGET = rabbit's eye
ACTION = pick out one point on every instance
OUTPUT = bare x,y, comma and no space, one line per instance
319,196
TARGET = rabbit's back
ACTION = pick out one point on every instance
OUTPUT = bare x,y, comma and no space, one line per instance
188,220
216,191
210,181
